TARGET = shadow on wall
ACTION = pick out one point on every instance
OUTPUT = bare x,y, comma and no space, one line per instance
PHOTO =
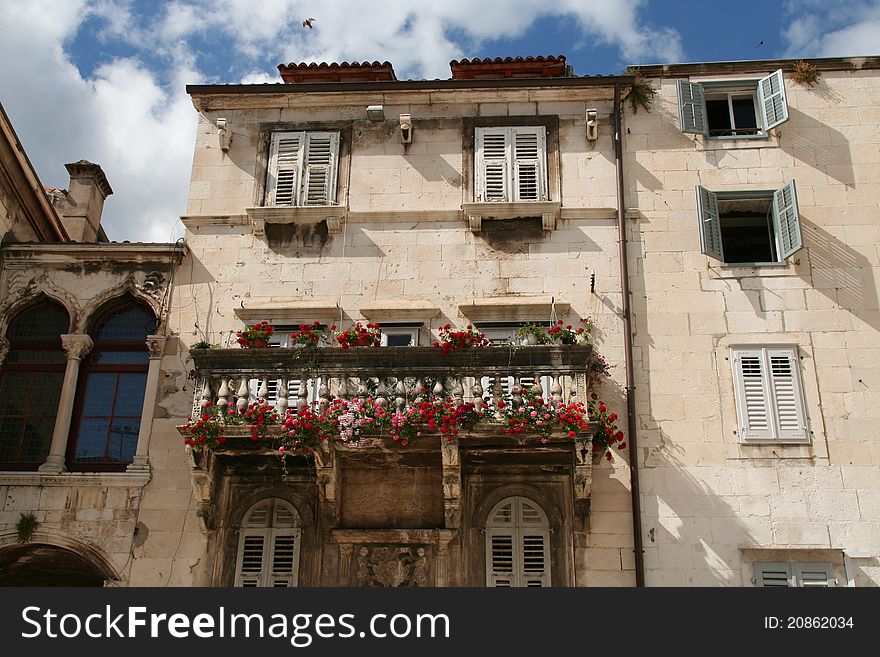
842,274
818,145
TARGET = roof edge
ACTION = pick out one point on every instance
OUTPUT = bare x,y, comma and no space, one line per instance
756,66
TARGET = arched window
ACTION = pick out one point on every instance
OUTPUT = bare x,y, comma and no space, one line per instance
111,390
30,385
268,546
517,544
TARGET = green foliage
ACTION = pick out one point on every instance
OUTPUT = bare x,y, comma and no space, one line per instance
25,527
641,94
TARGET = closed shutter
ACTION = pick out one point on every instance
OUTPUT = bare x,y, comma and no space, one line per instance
492,164
819,575
773,575
787,221
319,181
769,395
771,96
268,553
529,178
517,544
752,399
710,223
785,388
692,108
285,165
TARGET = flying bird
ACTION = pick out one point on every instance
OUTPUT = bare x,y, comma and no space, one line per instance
760,43
308,23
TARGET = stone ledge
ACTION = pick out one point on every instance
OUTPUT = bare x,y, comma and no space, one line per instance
112,479
476,212
334,215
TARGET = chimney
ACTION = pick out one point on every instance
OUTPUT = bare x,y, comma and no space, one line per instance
81,207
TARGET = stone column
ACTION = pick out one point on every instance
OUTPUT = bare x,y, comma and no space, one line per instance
77,347
156,345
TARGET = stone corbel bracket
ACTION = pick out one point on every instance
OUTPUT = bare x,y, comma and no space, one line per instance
549,212
327,480
334,215
451,484
582,483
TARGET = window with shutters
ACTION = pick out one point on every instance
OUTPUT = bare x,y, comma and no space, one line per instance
296,388
517,544
268,546
732,109
784,575
510,164
761,227
302,169
769,394
400,336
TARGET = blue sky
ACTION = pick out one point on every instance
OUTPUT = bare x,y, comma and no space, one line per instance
104,79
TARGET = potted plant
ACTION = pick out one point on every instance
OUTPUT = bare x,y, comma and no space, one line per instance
359,335
452,340
531,334
309,335
203,344
255,336
567,334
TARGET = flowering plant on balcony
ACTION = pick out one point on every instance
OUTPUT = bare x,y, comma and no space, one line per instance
540,417
532,334
309,335
359,335
255,336
208,430
567,334
597,370
452,340
440,416
606,434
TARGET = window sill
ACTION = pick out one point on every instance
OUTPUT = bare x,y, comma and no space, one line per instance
112,479
775,451
762,269
548,211
766,140
334,215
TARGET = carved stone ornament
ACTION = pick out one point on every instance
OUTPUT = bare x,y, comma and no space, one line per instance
4,349
76,345
207,514
153,283
156,345
392,566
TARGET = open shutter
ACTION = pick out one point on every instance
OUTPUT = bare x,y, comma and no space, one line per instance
776,575
787,221
692,108
251,553
321,156
814,574
771,96
492,164
787,395
710,223
285,165
529,176
752,394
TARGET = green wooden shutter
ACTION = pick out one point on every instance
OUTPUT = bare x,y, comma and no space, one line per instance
787,221
813,574
321,156
692,108
285,168
710,223
773,575
492,164
771,96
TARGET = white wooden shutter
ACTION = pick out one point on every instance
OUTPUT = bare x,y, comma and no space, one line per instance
492,166
321,156
517,545
776,575
771,96
752,394
769,395
529,164
710,223
813,575
790,422
787,221
268,552
692,108
285,167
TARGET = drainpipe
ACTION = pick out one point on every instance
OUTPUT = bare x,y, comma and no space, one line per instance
627,346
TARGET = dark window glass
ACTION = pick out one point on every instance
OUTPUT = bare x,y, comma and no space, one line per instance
399,340
30,385
718,115
131,323
744,112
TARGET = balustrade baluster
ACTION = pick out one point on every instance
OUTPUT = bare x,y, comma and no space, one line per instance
537,389
323,396
457,390
206,396
400,395
381,393
497,397
479,402
516,395
362,390
342,390
241,403
223,395
438,392
556,389
281,397
263,390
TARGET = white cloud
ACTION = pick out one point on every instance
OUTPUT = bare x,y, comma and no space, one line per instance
838,29
131,113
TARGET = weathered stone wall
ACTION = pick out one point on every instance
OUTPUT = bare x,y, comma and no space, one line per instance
706,496
405,240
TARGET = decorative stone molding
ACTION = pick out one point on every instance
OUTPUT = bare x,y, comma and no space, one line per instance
152,298
76,345
334,215
476,212
24,289
451,484
582,482
206,511
156,345
393,557
4,349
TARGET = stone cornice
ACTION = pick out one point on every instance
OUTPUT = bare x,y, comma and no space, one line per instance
26,255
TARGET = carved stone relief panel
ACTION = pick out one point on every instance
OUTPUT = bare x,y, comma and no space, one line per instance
392,565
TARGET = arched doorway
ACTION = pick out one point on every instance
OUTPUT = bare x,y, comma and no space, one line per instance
37,564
